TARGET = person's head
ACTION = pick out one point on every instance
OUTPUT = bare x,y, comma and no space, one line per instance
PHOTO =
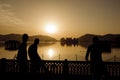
36,41
95,39
24,37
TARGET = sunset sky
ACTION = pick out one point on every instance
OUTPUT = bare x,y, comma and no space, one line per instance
69,18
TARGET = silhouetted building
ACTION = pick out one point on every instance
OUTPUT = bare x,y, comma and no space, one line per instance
11,45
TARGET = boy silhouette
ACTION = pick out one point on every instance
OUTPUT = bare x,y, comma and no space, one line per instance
22,54
97,66
36,61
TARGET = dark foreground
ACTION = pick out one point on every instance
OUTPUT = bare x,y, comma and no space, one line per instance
57,70
28,76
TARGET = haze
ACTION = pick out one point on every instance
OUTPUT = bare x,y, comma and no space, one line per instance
72,18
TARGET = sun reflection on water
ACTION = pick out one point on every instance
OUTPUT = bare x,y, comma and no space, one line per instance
50,52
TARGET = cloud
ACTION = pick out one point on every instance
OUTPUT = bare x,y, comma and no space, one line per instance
8,17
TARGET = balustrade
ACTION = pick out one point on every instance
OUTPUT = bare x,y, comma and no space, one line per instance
62,67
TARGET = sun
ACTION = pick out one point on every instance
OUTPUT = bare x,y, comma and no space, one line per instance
50,28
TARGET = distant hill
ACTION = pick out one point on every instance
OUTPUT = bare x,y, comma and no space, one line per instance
86,39
42,38
31,38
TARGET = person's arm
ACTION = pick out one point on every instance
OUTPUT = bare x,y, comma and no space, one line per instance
87,54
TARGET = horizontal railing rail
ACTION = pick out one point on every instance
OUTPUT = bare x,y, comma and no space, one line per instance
61,67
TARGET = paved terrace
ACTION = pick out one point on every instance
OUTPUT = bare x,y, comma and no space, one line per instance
59,70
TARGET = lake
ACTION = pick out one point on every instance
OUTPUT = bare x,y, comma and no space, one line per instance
54,51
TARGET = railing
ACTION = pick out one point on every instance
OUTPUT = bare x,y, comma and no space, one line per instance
62,67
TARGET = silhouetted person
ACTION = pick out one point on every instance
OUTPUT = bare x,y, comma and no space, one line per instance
97,65
36,61
22,54
3,65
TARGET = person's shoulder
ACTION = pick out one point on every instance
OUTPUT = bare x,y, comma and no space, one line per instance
32,45
23,44
91,45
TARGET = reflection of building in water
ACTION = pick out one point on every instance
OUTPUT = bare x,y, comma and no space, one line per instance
69,41
11,45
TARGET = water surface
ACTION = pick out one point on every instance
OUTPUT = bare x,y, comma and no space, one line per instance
54,51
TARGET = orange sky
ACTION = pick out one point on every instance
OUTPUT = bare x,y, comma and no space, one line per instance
72,18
